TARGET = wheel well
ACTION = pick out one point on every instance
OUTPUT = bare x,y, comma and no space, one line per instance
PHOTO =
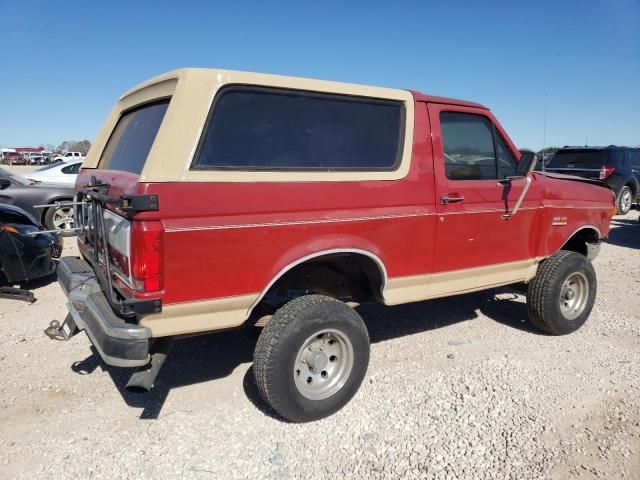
578,241
51,202
347,276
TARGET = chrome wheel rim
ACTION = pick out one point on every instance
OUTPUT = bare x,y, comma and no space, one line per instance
625,201
573,295
323,364
63,218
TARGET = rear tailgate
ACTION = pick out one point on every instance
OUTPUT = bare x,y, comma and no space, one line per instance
112,205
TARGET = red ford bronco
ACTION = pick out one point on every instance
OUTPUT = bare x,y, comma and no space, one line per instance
213,199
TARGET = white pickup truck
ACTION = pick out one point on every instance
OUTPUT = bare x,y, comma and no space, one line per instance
68,156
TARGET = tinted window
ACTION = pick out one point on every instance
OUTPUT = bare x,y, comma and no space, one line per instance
507,165
132,138
72,169
578,159
634,159
255,128
467,141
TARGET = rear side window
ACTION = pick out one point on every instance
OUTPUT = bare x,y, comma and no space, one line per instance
634,159
72,169
132,138
276,129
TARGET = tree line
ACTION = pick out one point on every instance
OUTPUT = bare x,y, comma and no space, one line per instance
82,146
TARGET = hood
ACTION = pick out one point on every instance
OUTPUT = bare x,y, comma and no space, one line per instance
10,208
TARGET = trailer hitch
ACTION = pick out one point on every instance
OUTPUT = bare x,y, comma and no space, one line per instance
63,332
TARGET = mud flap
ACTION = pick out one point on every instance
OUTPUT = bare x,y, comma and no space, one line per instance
13,293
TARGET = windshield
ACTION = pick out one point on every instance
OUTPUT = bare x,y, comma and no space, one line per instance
132,138
578,159
15,178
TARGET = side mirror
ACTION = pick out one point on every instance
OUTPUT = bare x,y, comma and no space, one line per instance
527,163
4,183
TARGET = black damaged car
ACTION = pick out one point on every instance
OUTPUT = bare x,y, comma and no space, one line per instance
25,254
18,191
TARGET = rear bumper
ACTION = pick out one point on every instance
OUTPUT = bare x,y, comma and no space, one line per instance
119,343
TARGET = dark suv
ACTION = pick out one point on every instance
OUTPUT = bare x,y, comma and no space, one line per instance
618,166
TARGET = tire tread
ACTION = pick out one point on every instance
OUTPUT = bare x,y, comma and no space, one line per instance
541,288
269,341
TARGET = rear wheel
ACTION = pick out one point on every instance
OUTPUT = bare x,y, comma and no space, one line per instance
311,358
562,294
625,200
60,218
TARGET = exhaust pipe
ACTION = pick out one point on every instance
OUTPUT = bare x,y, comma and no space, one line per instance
142,379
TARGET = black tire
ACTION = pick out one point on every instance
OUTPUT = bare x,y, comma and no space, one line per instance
624,200
545,290
49,220
284,337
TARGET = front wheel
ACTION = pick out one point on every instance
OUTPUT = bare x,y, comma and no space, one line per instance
60,218
625,200
561,295
311,358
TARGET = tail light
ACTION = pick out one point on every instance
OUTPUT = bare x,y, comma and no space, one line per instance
146,255
606,171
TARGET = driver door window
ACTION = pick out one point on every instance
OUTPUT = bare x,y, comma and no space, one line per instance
507,166
473,149
468,146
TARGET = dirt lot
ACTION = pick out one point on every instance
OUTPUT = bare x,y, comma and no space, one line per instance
457,388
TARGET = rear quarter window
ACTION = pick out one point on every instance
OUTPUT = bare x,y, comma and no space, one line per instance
131,140
255,128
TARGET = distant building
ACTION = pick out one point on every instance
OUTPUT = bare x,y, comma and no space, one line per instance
28,149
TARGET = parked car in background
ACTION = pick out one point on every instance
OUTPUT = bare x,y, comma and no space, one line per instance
18,191
216,199
61,172
13,158
68,156
25,254
619,167
36,159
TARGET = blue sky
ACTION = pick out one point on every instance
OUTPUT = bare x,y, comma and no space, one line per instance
65,63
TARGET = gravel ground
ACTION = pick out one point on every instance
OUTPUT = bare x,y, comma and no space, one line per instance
457,388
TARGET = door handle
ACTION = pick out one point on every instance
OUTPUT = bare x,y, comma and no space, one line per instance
453,199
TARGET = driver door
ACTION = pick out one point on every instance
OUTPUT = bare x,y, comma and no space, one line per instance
472,156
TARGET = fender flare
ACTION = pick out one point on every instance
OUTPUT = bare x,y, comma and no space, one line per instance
592,252
320,253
